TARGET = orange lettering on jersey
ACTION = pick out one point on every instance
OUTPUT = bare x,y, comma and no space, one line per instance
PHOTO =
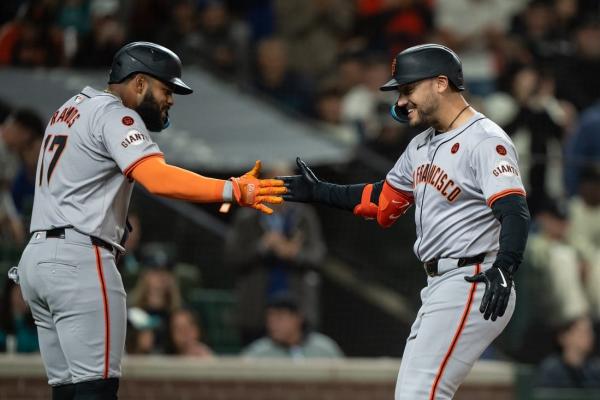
453,194
442,182
54,116
63,115
72,116
68,115
437,178
446,187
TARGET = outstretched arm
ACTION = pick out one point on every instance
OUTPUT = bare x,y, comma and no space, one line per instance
377,200
163,179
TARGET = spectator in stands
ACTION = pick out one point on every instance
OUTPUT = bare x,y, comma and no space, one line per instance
158,294
270,254
582,150
560,292
141,327
288,335
20,128
22,134
107,35
567,13
350,72
573,366
12,228
259,16
18,332
328,110
274,78
584,233
181,34
33,39
543,121
535,35
185,335
578,73
75,14
313,30
223,41
363,104
144,17
476,30
393,25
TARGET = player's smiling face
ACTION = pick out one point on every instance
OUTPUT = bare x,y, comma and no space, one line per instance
420,102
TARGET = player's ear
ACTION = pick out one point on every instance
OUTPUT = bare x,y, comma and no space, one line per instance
140,83
441,83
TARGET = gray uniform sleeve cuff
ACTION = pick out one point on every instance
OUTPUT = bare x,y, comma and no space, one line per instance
228,192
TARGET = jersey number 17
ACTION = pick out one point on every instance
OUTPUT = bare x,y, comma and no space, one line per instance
56,146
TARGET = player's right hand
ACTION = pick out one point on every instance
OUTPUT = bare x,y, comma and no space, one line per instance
249,191
300,188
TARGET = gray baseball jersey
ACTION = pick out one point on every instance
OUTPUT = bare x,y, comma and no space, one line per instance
454,178
91,144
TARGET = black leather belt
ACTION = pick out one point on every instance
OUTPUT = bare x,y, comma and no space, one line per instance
60,233
431,267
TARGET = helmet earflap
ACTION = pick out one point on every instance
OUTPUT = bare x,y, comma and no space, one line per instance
400,114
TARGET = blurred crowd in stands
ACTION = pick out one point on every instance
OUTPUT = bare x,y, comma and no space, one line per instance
530,65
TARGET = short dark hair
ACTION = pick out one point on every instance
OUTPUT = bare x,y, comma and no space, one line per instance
31,120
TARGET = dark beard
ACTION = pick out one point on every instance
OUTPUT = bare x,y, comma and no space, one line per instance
149,110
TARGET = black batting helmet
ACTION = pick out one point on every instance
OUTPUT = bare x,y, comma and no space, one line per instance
148,58
425,61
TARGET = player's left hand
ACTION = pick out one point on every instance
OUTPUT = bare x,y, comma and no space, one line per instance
498,283
249,191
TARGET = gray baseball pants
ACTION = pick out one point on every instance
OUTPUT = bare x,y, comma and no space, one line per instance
78,302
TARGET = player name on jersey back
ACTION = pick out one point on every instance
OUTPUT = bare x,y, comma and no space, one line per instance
68,115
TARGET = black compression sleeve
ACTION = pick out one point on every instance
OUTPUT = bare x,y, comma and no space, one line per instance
513,214
345,197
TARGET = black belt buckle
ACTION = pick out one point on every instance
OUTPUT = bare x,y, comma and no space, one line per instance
431,267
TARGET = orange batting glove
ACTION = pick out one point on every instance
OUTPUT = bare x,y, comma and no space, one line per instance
249,191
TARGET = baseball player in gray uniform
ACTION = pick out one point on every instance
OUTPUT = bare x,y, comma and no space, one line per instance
95,147
470,213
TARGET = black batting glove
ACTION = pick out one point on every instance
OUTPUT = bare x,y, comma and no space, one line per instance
498,283
301,188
